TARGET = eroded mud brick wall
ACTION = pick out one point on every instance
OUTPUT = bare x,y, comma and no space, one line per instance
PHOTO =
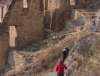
28,21
4,44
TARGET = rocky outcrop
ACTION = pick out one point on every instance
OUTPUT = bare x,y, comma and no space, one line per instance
87,57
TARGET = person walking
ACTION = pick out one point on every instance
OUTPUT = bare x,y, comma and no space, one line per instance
60,68
65,53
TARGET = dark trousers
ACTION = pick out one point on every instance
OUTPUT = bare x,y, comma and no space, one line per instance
60,74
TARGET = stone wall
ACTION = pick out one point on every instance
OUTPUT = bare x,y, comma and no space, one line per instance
28,22
60,13
4,44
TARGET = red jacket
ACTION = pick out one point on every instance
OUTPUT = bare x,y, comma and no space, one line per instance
60,68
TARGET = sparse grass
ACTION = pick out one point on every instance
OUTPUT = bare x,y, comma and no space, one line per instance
52,58
68,26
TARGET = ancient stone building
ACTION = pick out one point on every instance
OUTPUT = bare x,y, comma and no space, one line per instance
32,18
26,16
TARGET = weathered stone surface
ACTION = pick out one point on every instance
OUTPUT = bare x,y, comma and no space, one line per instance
28,22
56,14
4,44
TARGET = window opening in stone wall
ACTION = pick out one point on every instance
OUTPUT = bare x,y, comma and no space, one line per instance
72,2
12,36
25,4
3,11
1,14
5,8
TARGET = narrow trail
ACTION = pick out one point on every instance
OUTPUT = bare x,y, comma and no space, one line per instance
72,55
38,55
